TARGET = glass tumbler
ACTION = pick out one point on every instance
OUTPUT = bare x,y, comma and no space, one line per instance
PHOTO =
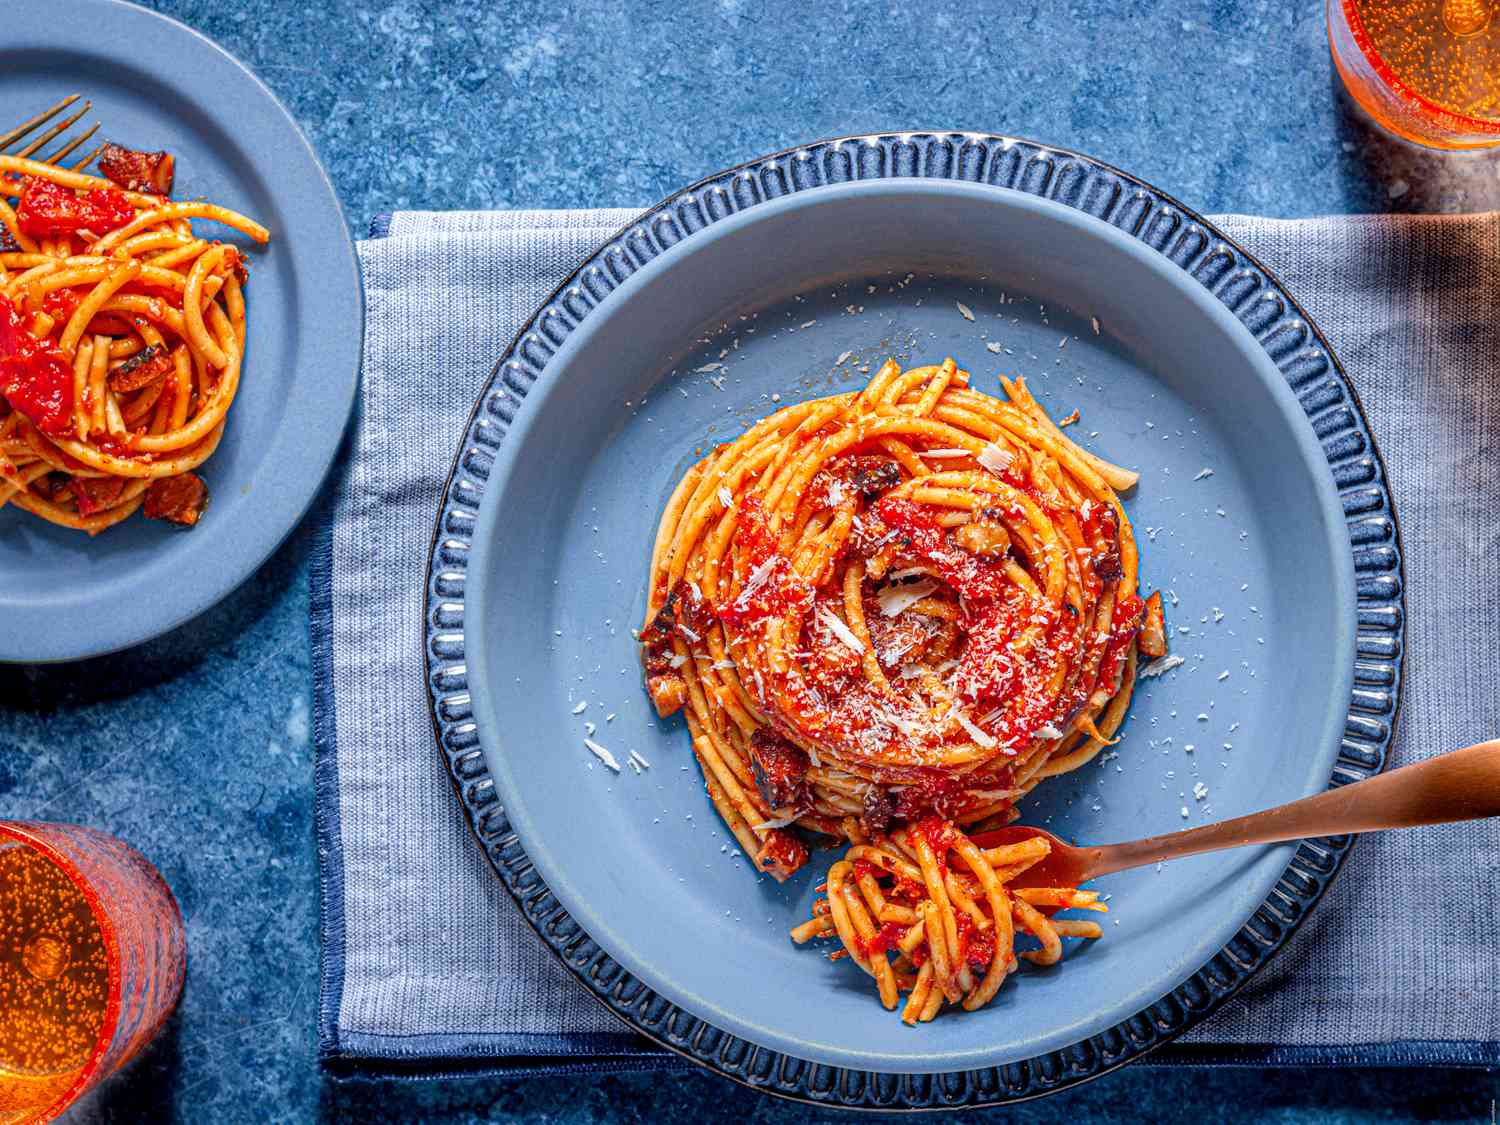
1427,70
92,957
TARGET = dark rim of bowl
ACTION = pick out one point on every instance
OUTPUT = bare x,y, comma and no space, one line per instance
1244,285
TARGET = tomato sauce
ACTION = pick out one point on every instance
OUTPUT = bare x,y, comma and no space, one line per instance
49,210
34,377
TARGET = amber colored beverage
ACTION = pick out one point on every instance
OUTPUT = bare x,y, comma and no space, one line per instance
92,956
1428,70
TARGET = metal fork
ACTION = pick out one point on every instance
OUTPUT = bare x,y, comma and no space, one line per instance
21,131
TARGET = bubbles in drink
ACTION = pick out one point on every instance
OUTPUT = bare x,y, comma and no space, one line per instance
54,982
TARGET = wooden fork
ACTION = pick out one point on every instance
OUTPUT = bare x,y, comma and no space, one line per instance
34,146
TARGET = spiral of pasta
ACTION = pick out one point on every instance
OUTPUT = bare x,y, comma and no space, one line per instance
916,598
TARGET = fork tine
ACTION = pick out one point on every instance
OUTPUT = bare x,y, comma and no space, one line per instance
8,139
89,159
68,148
57,130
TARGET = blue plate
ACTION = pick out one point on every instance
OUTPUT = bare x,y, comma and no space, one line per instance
157,84
785,279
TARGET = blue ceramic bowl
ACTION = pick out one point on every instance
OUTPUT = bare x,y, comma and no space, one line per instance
756,310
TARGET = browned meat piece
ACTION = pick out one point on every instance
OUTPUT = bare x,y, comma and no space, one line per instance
668,691
180,499
50,485
874,476
1153,636
879,808
781,854
149,172
1106,559
780,770
687,614
141,370
984,536
94,494
863,475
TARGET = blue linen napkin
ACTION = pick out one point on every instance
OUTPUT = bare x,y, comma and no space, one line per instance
427,967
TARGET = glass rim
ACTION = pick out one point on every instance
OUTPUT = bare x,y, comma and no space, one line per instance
27,834
1361,36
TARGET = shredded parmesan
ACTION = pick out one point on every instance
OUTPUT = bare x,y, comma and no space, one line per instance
964,310
1157,667
778,822
759,576
688,633
638,759
837,627
995,459
678,660
602,754
994,347
726,497
1049,732
896,600
580,709
1204,473
979,736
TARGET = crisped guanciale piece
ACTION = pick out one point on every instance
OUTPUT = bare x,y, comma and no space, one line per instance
140,370
684,612
873,476
149,172
180,499
1106,561
876,811
781,854
780,770
94,494
1152,640
985,536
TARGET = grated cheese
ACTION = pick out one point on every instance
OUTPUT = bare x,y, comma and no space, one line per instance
1049,732
979,736
1157,667
908,572
837,627
778,822
677,661
580,709
964,310
602,754
995,459
726,497
896,600
688,633
760,576
1204,473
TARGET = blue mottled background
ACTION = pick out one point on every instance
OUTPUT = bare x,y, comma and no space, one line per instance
195,748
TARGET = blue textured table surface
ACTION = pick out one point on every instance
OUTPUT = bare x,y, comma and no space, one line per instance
196,748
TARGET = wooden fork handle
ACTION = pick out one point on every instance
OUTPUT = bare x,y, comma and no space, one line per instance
1462,785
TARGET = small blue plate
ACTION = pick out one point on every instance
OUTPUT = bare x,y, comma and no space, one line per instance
157,84
793,277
